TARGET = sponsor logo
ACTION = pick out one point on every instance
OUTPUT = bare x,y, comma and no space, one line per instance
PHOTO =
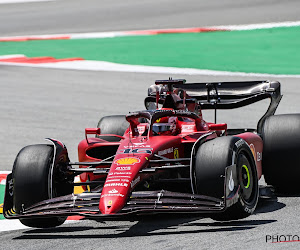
113,191
123,168
138,145
253,150
11,187
176,153
248,210
188,128
109,195
127,161
239,143
180,111
258,156
117,180
135,181
135,151
119,173
109,202
113,180
120,184
165,151
231,182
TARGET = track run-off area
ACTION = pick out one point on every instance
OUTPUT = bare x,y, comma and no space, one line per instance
252,49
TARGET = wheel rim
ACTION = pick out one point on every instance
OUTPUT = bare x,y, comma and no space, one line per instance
246,176
246,179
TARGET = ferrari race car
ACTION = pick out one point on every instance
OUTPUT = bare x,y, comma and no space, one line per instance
165,159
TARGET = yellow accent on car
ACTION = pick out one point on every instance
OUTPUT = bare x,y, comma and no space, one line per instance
176,153
248,175
127,161
78,190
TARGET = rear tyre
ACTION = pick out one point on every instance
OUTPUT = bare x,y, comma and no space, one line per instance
32,183
116,124
212,158
281,155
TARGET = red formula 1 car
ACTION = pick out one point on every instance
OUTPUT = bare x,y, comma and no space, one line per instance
166,159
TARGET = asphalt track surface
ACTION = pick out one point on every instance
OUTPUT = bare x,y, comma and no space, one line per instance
38,103
65,16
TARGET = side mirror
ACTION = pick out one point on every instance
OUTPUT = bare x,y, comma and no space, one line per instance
221,126
92,131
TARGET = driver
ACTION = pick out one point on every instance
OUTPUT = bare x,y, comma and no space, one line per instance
166,126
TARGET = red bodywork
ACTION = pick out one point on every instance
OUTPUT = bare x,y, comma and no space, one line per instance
152,163
135,149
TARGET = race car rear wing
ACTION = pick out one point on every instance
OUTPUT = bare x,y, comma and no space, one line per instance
229,95
222,95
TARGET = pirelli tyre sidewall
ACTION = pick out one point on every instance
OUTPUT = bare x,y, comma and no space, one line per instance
212,159
31,177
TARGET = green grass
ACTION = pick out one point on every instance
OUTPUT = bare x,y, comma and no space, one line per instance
274,51
2,192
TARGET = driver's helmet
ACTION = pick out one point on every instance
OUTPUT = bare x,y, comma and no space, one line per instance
166,126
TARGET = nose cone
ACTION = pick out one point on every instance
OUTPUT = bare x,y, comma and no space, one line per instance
113,199
120,179
111,205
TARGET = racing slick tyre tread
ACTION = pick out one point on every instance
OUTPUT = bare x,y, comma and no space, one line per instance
281,155
31,175
212,158
115,124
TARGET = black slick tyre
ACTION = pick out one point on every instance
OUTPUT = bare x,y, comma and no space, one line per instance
32,183
281,154
115,124
212,158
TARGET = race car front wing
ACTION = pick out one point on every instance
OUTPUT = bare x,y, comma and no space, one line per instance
142,202
139,203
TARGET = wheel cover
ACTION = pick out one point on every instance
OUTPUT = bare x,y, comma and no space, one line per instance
246,176
246,179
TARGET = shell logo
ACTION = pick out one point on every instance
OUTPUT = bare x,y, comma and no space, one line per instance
127,161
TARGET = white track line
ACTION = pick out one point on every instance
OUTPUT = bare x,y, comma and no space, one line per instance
15,224
5,172
259,26
116,67
11,56
9,225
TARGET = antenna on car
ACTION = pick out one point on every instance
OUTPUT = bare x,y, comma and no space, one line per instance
213,96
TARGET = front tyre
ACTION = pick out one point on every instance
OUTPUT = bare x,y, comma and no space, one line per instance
34,181
212,159
115,124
